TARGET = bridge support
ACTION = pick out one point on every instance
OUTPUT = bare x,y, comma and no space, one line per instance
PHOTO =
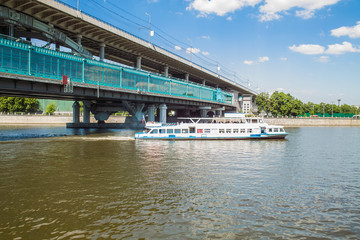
186,77
76,112
151,113
163,112
166,71
86,111
102,52
138,62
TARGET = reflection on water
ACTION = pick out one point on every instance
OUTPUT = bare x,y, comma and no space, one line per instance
107,185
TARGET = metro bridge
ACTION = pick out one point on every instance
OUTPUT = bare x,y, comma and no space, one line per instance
152,78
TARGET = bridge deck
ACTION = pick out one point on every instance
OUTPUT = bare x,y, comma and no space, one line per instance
25,59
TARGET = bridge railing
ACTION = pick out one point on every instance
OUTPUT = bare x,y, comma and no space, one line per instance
25,59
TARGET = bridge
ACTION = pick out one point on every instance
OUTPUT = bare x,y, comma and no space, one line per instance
130,73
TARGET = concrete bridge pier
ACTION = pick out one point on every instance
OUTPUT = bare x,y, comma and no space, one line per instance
86,111
76,112
163,112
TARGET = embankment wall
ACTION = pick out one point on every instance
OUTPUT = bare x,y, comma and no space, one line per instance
289,122
301,122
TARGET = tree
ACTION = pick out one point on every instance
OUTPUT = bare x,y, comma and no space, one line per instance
262,102
50,108
18,104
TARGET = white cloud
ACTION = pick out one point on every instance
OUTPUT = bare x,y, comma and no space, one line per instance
323,59
283,59
219,7
308,49
205,37
259,60
272,9
229,18
352,32
248,62
205,53
192,50
178,48
269,10
263,59
341,48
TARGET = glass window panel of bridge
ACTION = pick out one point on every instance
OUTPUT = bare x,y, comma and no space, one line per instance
37,64
164,86
128,80
15,59
206,94
193,91
154,84
89,73
141,82
178,89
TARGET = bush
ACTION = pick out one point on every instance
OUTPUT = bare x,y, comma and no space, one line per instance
50,108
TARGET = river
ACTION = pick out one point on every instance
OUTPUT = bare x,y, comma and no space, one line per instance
58,183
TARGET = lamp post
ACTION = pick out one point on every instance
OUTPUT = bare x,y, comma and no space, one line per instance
151,33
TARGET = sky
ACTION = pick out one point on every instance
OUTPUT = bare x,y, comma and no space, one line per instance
308,48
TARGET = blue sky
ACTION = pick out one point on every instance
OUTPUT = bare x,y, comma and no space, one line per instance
308,48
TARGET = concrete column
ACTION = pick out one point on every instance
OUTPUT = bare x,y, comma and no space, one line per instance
203,113
203,82
151,113
102,52
78,38
86,113
166,71
76,112
138,62
11,30
162,109
187,77
57,47
218,112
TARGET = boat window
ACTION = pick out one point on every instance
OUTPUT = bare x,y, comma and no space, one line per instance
281,130
206,130
249,130
228,130
235,130
177,130
254,120
242,130
199,131
248,120
185,131
270,129
276,130
192,130
169,130
154,131
221,130
162,131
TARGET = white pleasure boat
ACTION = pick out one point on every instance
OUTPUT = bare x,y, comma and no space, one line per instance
213,128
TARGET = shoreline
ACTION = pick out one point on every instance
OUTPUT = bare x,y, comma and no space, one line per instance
286,122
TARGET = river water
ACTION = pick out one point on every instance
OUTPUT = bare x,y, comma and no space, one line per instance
58,183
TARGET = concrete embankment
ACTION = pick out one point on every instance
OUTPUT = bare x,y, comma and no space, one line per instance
303,122
117,120
46,119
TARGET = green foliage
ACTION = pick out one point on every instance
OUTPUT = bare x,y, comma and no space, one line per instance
282,104
17,104
262,101
50,108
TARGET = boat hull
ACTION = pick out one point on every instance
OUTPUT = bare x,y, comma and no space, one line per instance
194,137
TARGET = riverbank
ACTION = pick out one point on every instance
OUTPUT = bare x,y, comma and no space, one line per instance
288,122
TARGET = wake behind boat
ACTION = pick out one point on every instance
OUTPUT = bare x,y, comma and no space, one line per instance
213,128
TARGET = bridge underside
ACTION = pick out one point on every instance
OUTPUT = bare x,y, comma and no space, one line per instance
103,101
